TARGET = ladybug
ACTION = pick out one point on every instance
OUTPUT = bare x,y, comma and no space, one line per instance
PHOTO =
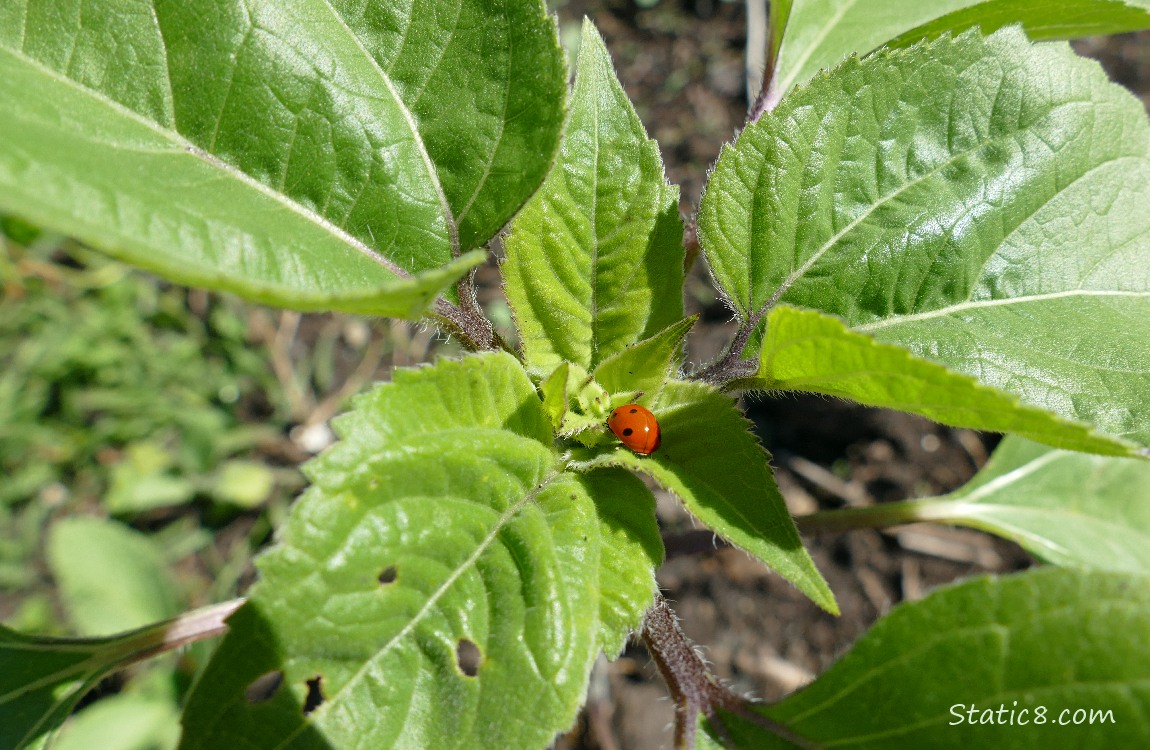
636,427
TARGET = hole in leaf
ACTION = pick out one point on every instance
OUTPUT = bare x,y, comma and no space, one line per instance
468,657
264,687
388,575
314,695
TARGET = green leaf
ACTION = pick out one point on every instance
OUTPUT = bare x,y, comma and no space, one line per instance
243,483
143,480
595,259
486,86
266,151
630,551
553,389
1049,643
438,584
111,578
647,365
808,351
40,682
1006,239
42,679
1065,508
821,33
712,463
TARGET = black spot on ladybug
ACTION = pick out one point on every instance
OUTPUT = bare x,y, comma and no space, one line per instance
314,695
263,688
628,432
468,657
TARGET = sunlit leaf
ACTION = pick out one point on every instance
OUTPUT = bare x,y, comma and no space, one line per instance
595,259
1007,239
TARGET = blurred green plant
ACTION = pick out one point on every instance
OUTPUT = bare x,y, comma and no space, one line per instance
109,382
119,395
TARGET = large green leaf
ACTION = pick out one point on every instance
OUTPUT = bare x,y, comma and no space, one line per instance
438,584
1066,508
595,259
710,461
264,150
486,86
1007,238
111,578
807,351
819,34
1036,655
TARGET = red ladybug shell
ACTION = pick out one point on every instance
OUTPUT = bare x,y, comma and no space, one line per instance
636,427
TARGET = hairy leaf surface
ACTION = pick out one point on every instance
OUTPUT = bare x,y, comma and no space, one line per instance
595,259
267,150
438,585
978,201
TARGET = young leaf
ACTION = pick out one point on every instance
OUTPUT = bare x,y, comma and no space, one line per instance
1007,239
111,578
647,365
264,150
807,351
821,33
553,389
1065,508
595,259
711,462
435,586
1035,655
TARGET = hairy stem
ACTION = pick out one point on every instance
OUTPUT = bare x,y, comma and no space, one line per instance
466,321
732,366
693,688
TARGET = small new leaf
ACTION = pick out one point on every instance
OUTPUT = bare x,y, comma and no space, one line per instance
644,367
595,259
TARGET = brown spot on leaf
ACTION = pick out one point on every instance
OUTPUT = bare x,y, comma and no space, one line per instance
264,687
468,657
